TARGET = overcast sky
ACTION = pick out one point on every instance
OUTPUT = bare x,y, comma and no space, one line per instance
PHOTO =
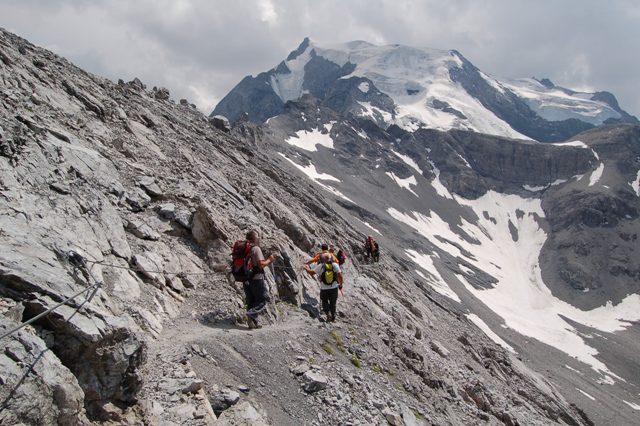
200,49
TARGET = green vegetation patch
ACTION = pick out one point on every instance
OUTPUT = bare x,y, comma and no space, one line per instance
356,361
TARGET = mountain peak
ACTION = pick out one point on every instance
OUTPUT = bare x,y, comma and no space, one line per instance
301,48
417,87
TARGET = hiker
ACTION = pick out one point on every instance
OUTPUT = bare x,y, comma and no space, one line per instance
324,248
341,256
369,247
330,278
376,252
248,267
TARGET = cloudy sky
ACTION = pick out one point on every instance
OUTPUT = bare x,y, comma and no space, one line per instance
199,49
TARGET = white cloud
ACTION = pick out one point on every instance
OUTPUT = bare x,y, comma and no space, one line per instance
267,11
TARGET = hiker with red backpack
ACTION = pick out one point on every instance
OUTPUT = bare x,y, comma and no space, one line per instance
376,252
342,257
330,278
369,248
248,265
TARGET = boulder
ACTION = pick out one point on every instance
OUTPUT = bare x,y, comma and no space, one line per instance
193,387
439,348
136,84
151,266
183,218
224,400
243,414
314,382
142,230
161,94
138,200
300,369
150,186
207,226
167,211
220,122
392,417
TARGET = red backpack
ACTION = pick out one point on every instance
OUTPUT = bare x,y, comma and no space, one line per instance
342,257
241,265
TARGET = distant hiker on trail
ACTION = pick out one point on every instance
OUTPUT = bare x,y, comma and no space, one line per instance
342,257
248,267
330,277
324,249
376,252
369,247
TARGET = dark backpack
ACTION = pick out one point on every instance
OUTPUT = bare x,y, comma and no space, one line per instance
342,257
241,265
328,275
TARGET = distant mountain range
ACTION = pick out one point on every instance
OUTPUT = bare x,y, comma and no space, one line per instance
417,88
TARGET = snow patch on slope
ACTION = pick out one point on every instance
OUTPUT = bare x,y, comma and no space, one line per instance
533,188
586,394
440,189
554,104
288,86
309,140
404,183
636,184
368,225
315,176
435,280
596,175
490,333
374,112
520,296
578,144
632,405
408,161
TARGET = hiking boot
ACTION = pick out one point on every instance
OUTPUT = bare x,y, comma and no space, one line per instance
251,323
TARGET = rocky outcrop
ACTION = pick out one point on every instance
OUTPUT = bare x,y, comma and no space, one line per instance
36,388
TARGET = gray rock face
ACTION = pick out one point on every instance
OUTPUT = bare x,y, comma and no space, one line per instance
253,96
49,394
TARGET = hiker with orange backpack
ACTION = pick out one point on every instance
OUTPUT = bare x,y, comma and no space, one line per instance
324,249
247,266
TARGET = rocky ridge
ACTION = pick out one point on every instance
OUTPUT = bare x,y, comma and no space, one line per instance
116,187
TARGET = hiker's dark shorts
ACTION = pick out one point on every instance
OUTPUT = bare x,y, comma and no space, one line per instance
256,293
329,299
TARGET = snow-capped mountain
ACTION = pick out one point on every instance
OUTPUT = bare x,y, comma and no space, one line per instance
417,88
